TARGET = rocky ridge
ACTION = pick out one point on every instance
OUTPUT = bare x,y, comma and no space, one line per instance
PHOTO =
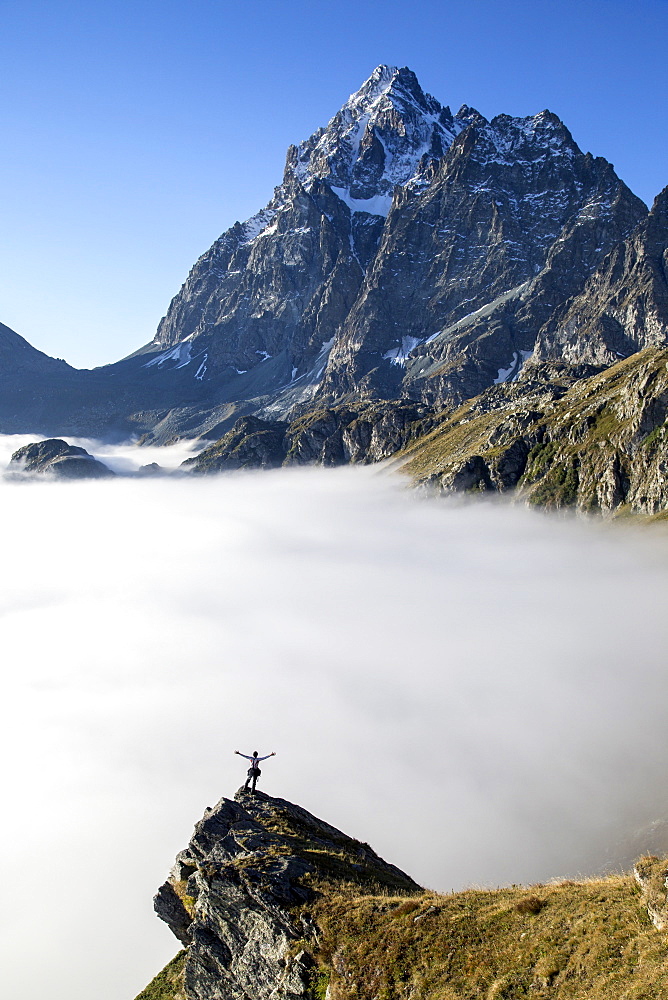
269,901
596,444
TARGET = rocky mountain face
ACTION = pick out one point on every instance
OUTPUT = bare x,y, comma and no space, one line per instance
581,424
513,221
271,903
409,254
623,306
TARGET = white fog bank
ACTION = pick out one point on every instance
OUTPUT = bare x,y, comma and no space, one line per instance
477,690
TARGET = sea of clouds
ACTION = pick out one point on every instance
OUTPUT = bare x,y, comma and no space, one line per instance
478,690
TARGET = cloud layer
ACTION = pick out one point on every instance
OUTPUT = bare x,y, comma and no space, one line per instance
477,690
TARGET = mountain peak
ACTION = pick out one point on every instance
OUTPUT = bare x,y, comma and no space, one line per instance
376,141
387,80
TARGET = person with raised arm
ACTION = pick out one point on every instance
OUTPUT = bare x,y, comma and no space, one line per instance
254,771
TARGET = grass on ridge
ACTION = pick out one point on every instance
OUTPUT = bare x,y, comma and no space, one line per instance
590,940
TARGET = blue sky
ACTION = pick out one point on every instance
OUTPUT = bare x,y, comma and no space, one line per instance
135,133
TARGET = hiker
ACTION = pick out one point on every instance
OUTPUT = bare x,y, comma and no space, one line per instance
254,771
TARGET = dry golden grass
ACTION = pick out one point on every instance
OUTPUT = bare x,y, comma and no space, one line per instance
587,940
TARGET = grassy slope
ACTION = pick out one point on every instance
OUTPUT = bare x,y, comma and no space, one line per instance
588,940
598,419
383,938
168,984
567,941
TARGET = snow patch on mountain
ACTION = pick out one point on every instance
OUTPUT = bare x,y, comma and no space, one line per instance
398,355
201,371
511,373
380,204
258,224
180,354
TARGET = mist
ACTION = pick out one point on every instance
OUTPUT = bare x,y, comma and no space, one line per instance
477,690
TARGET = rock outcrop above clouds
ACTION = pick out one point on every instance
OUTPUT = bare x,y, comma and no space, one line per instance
56,459
271,903
237,898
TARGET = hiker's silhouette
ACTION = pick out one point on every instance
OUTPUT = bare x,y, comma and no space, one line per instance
254,771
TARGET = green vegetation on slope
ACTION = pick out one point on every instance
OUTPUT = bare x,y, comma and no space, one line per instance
588,940
168,984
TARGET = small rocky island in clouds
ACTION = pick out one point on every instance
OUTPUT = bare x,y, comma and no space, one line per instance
480,300
270,903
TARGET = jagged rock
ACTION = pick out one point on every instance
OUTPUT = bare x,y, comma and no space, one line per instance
236,896
58,459
251,444
468,269
152,469
335,436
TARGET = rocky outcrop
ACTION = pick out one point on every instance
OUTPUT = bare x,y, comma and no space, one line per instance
272,903
238,896
651,874
57,459
326,436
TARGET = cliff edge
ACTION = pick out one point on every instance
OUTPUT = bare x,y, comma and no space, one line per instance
237,897
272,903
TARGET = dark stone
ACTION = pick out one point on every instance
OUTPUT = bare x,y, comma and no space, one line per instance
57,458
242,880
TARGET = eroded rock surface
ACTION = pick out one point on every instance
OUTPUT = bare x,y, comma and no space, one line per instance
651,874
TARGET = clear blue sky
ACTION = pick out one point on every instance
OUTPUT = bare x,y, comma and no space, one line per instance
135,133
